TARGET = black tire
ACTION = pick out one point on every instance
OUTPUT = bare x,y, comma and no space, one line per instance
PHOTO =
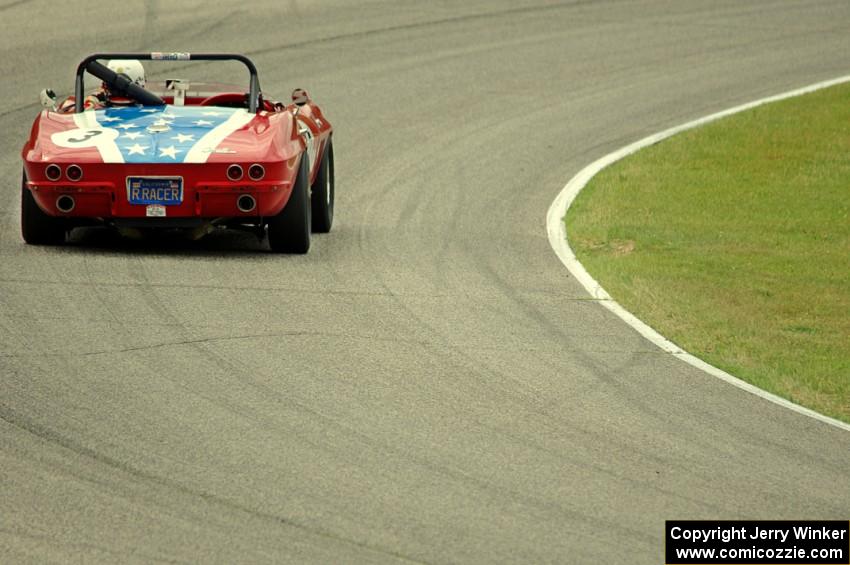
322,194
38,228
289,231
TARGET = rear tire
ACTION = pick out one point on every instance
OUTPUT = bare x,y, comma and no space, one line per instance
289,231
38,228
322,195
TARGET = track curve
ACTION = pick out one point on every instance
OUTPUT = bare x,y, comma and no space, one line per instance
428,384
555,226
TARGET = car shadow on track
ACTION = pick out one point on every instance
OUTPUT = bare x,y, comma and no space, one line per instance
217,243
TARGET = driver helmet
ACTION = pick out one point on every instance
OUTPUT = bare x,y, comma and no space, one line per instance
131,68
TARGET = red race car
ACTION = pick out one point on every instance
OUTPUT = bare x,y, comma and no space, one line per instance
177,155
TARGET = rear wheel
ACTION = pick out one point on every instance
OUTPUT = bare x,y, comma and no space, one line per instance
322,194
289,231
38,228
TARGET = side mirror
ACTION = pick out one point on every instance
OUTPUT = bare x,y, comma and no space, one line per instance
300,96
47,98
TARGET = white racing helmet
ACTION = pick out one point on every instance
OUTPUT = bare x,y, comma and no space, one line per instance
131,68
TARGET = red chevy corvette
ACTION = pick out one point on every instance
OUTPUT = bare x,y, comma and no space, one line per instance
178,155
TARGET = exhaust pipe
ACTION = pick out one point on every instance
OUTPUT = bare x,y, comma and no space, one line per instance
65,203
246,203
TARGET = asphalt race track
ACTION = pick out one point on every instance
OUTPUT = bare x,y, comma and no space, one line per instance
428,384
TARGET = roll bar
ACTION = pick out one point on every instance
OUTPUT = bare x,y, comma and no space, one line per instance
146,97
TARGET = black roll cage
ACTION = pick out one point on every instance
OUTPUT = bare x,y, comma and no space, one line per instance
253,88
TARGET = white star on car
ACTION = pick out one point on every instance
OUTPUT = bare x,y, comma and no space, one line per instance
161,123
132,135
169,152
169,116
182,138
136,150
150,110
127,126
110,119
202,123
211,113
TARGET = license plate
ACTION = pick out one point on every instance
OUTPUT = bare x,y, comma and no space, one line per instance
161,191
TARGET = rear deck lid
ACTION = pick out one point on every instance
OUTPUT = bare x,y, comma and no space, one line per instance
158,134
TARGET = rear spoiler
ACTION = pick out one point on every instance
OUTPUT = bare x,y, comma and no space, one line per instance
91,65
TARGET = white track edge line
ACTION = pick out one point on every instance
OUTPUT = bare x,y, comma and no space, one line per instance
557,232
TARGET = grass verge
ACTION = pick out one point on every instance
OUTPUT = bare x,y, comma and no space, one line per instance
733,240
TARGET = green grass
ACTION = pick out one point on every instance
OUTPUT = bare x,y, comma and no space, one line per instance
733,240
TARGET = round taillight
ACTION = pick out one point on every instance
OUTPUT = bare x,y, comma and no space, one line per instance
53,172
234,172
256,172
74,173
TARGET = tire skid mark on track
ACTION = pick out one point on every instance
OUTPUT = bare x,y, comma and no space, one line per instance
11,5
413,201
623,445
488,379
453,472
45,433
441,345
10,213
30,107
231,368
92,288
424,25
266,336
217,24
149,31
604,374
197,286
484,379
373,32
116,556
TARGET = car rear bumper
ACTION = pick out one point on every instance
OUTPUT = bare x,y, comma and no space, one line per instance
105,201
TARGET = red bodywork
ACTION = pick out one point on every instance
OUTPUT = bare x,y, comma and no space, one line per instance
277,137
